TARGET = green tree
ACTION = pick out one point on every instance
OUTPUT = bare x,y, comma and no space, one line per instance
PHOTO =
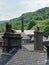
46,30
31,24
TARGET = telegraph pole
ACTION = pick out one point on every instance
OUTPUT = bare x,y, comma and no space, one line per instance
22,19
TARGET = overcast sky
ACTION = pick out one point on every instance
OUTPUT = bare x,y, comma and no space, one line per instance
14,8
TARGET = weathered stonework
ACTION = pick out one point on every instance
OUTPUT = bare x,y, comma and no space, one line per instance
11,40
38,40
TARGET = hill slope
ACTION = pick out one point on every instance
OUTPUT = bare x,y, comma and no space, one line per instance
40,14
31,20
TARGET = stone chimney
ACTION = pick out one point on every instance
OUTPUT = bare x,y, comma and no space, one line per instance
38,38
22,19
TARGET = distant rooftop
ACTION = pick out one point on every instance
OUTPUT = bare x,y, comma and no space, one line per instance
27,32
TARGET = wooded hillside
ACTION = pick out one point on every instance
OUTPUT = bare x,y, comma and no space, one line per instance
31,21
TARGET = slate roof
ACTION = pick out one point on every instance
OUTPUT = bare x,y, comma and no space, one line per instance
24,36
26,57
